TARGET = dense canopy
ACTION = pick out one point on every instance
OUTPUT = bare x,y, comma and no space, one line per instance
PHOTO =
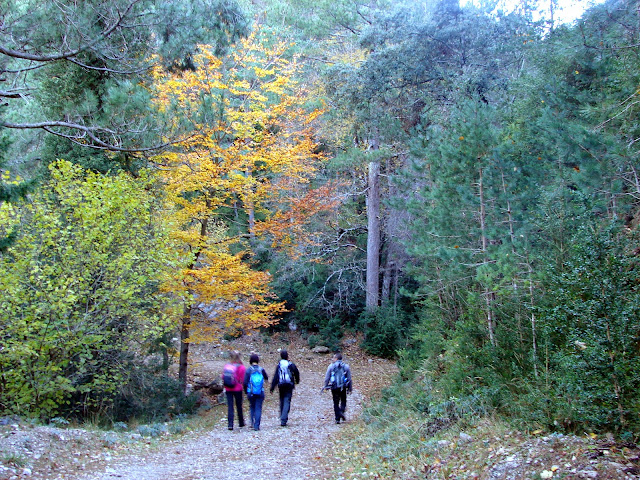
457,184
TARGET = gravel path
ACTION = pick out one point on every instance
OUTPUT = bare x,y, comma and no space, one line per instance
293,452
274,452
210,452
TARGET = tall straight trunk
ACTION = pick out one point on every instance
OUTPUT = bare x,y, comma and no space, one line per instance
395,288
534,330
483,213
252,222
509,212
251,211
388,275
373,237
488,294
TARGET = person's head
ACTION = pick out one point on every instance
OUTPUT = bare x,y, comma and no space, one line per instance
254,359
337,356
284,355
235,357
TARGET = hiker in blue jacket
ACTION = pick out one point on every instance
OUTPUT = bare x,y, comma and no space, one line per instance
338,379
254,380
285,378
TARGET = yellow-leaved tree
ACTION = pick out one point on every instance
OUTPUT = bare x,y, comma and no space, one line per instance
237,178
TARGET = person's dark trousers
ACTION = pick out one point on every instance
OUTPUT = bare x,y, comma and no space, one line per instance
234,397
286,392
339,402
255,410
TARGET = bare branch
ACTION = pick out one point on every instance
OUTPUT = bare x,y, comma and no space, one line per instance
20,70
109,70
88,136
49,124
67,55
10,94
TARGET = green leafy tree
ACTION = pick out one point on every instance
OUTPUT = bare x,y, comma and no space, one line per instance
81,291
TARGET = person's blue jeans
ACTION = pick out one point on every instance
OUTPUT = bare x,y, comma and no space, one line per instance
234,397
255,410
286,392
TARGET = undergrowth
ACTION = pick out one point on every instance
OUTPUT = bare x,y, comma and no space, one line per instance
396,437
408,434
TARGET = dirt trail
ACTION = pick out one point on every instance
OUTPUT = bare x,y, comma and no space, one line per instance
274,453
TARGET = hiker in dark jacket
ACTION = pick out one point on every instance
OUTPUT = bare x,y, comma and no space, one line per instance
255,389
285,378
338,379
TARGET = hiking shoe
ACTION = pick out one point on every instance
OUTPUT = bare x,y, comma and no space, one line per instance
230,428
338,421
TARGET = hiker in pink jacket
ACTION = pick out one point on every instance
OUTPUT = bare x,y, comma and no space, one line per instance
232,377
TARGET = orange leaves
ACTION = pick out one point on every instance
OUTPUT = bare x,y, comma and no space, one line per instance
255,120
257,131
289,223
252,152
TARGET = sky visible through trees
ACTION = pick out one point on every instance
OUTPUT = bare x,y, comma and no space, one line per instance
566,10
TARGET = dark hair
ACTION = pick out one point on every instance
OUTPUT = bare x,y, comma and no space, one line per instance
338,355
254,358
284,355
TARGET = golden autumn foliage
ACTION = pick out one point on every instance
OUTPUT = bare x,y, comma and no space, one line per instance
251,153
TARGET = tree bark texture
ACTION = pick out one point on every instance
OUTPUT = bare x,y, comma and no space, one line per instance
373,237
184,347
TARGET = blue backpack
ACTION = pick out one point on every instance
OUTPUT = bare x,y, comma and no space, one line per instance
256,382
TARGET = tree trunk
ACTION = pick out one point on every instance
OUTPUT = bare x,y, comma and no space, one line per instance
373,237
512,234
488,295
184,347
186,319
388,275
252,222
534,330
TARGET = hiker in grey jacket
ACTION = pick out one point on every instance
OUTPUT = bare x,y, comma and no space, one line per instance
338,379
285,378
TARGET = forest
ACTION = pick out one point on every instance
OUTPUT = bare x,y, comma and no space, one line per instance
457,183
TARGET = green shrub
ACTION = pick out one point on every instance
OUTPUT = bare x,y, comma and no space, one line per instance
150,396
591,324
384,331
